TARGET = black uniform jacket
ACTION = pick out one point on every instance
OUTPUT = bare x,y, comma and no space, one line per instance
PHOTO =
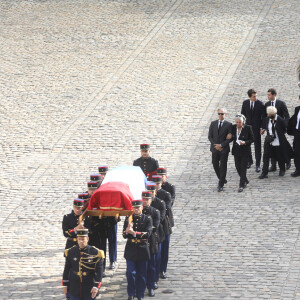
169,187
165,196
70,221
161,206
153,239
83,270
137,248
148,165
246,135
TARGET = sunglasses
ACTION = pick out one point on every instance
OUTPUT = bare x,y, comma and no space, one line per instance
221,114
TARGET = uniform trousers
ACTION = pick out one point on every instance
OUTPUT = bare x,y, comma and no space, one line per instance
158,262
165,254
112,244
151,271
136,274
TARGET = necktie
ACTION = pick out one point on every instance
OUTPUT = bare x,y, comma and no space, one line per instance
220,125
252,106
272,103
273,128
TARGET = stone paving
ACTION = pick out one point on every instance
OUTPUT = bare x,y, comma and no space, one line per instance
83,83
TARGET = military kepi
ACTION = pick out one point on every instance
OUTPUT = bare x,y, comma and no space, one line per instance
144,146
161,171
95,177
156,178
78,202
151,186
82,232
93,184
103,169
146,194
137,203
83,196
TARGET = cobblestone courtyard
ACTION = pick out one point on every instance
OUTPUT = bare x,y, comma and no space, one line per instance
84,82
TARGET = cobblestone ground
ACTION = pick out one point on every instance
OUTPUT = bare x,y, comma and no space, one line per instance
83,83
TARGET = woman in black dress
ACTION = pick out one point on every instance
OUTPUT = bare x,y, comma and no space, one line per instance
242,137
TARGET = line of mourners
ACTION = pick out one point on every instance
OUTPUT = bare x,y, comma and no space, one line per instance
147,232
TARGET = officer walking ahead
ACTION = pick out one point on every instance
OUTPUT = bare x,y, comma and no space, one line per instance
83,269
147,163
137,229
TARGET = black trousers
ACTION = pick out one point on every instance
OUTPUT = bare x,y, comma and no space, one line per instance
296,147
241,161
219,161
275,153
257,147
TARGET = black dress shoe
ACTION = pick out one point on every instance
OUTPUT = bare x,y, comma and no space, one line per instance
130,297
240,189
163,274
220,189
156,286
295,174
288,165
112,265
151,293
249,165
257,169
281,173
263,175
272,169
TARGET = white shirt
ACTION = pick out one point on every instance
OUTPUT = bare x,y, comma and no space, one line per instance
276,141
273,102
298,120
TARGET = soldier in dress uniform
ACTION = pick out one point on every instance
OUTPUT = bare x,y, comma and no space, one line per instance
137,230
83,269
70,223
95,221
147,163
165,196
102,171
86,198
161,206
167,186
108,230
154,213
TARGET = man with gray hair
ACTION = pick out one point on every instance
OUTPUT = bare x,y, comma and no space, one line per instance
219,146
276,145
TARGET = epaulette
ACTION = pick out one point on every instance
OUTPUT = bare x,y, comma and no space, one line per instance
67,251
100,253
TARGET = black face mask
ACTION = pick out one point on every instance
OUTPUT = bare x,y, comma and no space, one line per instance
272,117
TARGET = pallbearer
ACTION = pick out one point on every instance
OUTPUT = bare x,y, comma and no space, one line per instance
147,163
83,269
161,206
108,230
86,198
153,240
166,197
70,223
137,230
167,186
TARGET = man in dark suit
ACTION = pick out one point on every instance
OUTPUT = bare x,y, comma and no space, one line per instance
283,112
294,129
276,145
219,146
255,112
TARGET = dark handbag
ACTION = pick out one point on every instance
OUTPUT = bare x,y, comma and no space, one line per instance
269,139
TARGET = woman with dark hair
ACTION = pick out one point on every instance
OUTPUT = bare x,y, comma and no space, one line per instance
242,137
